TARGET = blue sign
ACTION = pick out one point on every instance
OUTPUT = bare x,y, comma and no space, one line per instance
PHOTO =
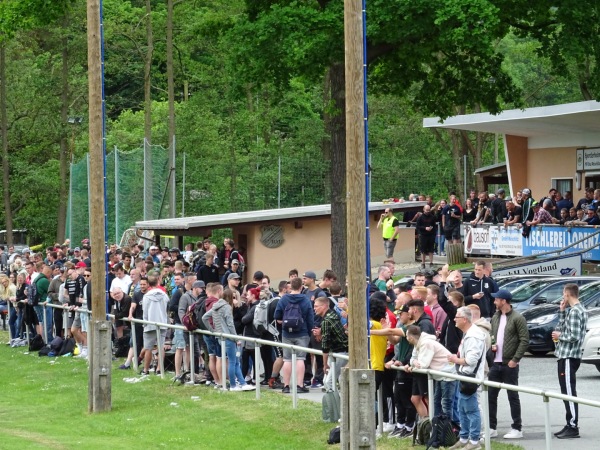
546,239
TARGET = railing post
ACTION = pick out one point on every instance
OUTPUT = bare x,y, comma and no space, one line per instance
66,321
485,406
191,355
431,396
45,328
380,410
161,355
293,381
224,366
256,370
548,431
134,345
332,369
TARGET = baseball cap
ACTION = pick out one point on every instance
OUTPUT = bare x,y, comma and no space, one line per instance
198,284
76,249
235,261
26,250
310,274
535,205
503,294
508,199
174,250
500,191
233,276
403,309
526,191
80,264
153,247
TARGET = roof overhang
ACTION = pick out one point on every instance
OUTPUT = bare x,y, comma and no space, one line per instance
568,125
198,224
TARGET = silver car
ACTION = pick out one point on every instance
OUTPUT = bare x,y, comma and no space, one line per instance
591,343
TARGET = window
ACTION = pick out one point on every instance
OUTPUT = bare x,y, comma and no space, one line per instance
562,185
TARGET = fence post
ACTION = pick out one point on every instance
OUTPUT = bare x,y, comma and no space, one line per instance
134,345
332,369
161,355
547,429
44,325
485,407
293,381
380,410
224,366
431,396
257,371
66,321
191,355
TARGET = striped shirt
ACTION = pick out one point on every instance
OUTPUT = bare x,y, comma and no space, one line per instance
572,325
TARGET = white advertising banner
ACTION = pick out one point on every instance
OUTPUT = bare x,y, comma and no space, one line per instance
560,266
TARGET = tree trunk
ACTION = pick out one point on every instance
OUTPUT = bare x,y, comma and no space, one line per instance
148,194
171,95
335,125
64,144
8,217
455,253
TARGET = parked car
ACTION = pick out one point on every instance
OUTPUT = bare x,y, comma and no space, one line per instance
513,282
545,290
543,319
591,343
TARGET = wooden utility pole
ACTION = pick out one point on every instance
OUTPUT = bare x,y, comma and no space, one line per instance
171,95
100,357
358,386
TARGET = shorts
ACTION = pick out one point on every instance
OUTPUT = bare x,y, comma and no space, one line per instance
76,321
214,348
85,320
419,385
150,339
39,311
300,342
178,341
426,243
452,233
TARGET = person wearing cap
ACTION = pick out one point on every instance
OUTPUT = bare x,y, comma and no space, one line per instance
234,283
510,340
540,216
154,254
527,206
591,215
235,269
498,207
227,254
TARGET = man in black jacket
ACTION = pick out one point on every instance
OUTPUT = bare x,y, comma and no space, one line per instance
478,290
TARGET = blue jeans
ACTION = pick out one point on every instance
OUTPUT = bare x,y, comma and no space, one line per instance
14,322
39,310
470,418
444,397
234,367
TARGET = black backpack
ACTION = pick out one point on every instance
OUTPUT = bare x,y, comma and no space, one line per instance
121,347
443,432
334,436
292,318
68,347
37,343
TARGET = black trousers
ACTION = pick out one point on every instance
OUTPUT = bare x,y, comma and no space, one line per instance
405,410
504,374
567,369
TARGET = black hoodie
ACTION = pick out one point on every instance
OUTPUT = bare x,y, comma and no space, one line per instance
486,285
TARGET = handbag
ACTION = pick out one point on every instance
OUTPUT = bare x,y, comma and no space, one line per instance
466,387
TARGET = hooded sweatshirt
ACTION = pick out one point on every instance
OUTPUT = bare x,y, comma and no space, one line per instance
472,348
307,314
155,308
222,318
475,285
430,354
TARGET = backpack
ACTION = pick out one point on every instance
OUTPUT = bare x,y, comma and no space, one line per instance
32,295
334,436
292,318
67,348
331,406
121,347
56,344
192,319
261,318
45,351
422,432
443,433
37,343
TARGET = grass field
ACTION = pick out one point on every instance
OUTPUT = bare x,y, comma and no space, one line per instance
43,405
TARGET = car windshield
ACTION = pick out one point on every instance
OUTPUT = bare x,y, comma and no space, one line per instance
513,285
526,291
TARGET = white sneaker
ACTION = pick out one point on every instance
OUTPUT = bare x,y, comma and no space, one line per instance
236,388
513,434
493,433
387,427
248,387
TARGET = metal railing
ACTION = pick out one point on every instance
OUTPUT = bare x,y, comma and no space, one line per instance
485,384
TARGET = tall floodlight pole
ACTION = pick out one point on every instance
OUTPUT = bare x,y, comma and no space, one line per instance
358,427
100,357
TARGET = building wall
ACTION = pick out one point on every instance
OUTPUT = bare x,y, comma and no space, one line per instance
308,247
517,153
549,163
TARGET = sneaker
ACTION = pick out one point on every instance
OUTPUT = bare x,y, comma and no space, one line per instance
459,444
218,386
124,367
471,446
248,387
494,433
406,433
307,383
302,390
264,382
276,385
317,385
286,390
157,372
565,428
247,378
569,433
513,434
388,427
208,382
396,431
144,373
236,388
